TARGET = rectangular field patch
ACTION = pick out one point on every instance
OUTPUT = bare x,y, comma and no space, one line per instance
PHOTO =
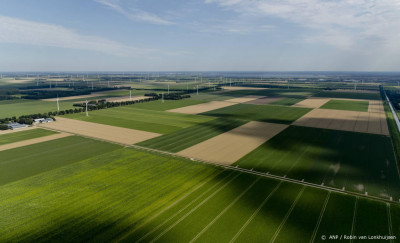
228,147
245,99
311,103
201,108
264,100
347,105
100,131
353,121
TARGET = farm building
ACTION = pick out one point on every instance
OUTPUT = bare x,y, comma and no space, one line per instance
15,125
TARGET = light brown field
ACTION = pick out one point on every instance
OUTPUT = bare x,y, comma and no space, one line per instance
245,99
311,103
228,147
200,108
33,141
100,131
127,98
264,100
355,121
241,88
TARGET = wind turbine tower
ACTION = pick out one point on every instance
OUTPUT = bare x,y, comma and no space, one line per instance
87,114
58,104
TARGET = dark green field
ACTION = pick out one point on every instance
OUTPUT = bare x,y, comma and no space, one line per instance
359,162
24,135
147,120
346,105
185,138
287,101
263,113
348,95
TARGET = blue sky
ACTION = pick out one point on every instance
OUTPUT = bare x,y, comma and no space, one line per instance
199,35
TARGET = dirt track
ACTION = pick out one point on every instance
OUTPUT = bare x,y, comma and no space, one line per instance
228,147
33,141
200,108
104,132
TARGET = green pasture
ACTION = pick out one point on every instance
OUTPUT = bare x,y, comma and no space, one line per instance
263,113
357,162
185,138
346,105
147,120
23,135
27,107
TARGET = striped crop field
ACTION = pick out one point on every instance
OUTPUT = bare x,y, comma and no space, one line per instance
141,119
127,195
24,135
27,161
263,113
157,105
356,162
185,138
348,95
287,101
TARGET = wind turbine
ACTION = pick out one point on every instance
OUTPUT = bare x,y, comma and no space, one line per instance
197,90
87,114
162,97
58,104
130,95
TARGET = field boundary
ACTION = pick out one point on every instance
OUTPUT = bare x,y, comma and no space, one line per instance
236,168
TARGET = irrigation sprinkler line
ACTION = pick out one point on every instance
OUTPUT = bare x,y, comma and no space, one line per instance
354,218
256,212
288,213
224,210
320,218
230,167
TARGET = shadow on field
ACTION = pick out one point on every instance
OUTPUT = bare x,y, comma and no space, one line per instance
357,161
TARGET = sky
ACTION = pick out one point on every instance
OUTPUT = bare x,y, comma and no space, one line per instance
200,35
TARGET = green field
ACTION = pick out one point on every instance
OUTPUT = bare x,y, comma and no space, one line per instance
346,105
27,161
24,135
185,138
157,105
263,113
129,196
27,107
287,101
359,162
146,120
348,95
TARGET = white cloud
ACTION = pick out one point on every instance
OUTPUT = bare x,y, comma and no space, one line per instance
341,23
133,13
13,30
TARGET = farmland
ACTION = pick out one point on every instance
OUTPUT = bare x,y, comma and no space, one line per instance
27,161
141,119
354,161
23,135
263,113
243,164
127,195
190,136
346,105
26,107
348,95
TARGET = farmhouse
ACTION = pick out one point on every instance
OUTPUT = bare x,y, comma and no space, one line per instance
43,120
